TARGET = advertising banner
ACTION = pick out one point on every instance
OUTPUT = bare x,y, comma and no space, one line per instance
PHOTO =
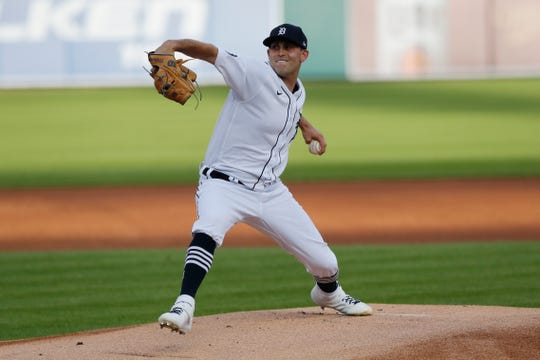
103,42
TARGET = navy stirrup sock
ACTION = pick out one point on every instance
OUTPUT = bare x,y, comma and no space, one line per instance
328,287
199,258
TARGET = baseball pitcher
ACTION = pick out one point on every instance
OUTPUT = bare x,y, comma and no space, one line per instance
247,153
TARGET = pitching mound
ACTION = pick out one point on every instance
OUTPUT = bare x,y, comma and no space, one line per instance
394,331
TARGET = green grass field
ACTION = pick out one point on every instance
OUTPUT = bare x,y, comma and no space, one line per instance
46,293
78,137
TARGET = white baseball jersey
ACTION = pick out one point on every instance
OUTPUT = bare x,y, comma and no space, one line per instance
259,120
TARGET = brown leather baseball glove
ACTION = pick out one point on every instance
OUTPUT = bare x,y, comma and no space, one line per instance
172,79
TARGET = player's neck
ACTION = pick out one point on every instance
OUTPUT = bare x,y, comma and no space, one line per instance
291,82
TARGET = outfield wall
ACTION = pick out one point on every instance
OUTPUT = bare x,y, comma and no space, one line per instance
102,42
417,39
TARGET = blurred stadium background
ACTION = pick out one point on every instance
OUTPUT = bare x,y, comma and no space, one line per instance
74,43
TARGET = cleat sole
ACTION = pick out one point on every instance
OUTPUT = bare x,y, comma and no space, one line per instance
172,327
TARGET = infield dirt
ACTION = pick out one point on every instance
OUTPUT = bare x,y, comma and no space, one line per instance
345,213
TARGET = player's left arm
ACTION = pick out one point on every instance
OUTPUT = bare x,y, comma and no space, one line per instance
310,133
193,48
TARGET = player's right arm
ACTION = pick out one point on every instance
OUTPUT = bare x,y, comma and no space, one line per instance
193,48
310,133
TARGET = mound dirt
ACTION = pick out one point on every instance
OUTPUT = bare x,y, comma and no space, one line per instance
393,332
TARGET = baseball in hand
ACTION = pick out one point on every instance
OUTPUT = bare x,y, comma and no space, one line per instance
315,147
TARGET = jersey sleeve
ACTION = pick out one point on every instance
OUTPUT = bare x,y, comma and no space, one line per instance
239,73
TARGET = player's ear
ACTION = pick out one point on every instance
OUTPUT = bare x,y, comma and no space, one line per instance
304,55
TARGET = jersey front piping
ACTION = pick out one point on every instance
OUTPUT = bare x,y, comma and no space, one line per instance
270,156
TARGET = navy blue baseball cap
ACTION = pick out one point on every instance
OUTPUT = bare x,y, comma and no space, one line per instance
288,32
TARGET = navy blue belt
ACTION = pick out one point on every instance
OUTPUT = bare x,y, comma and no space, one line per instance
214,174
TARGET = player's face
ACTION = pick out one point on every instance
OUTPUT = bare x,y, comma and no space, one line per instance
286,58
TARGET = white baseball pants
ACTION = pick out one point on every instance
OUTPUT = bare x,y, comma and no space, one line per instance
274,211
